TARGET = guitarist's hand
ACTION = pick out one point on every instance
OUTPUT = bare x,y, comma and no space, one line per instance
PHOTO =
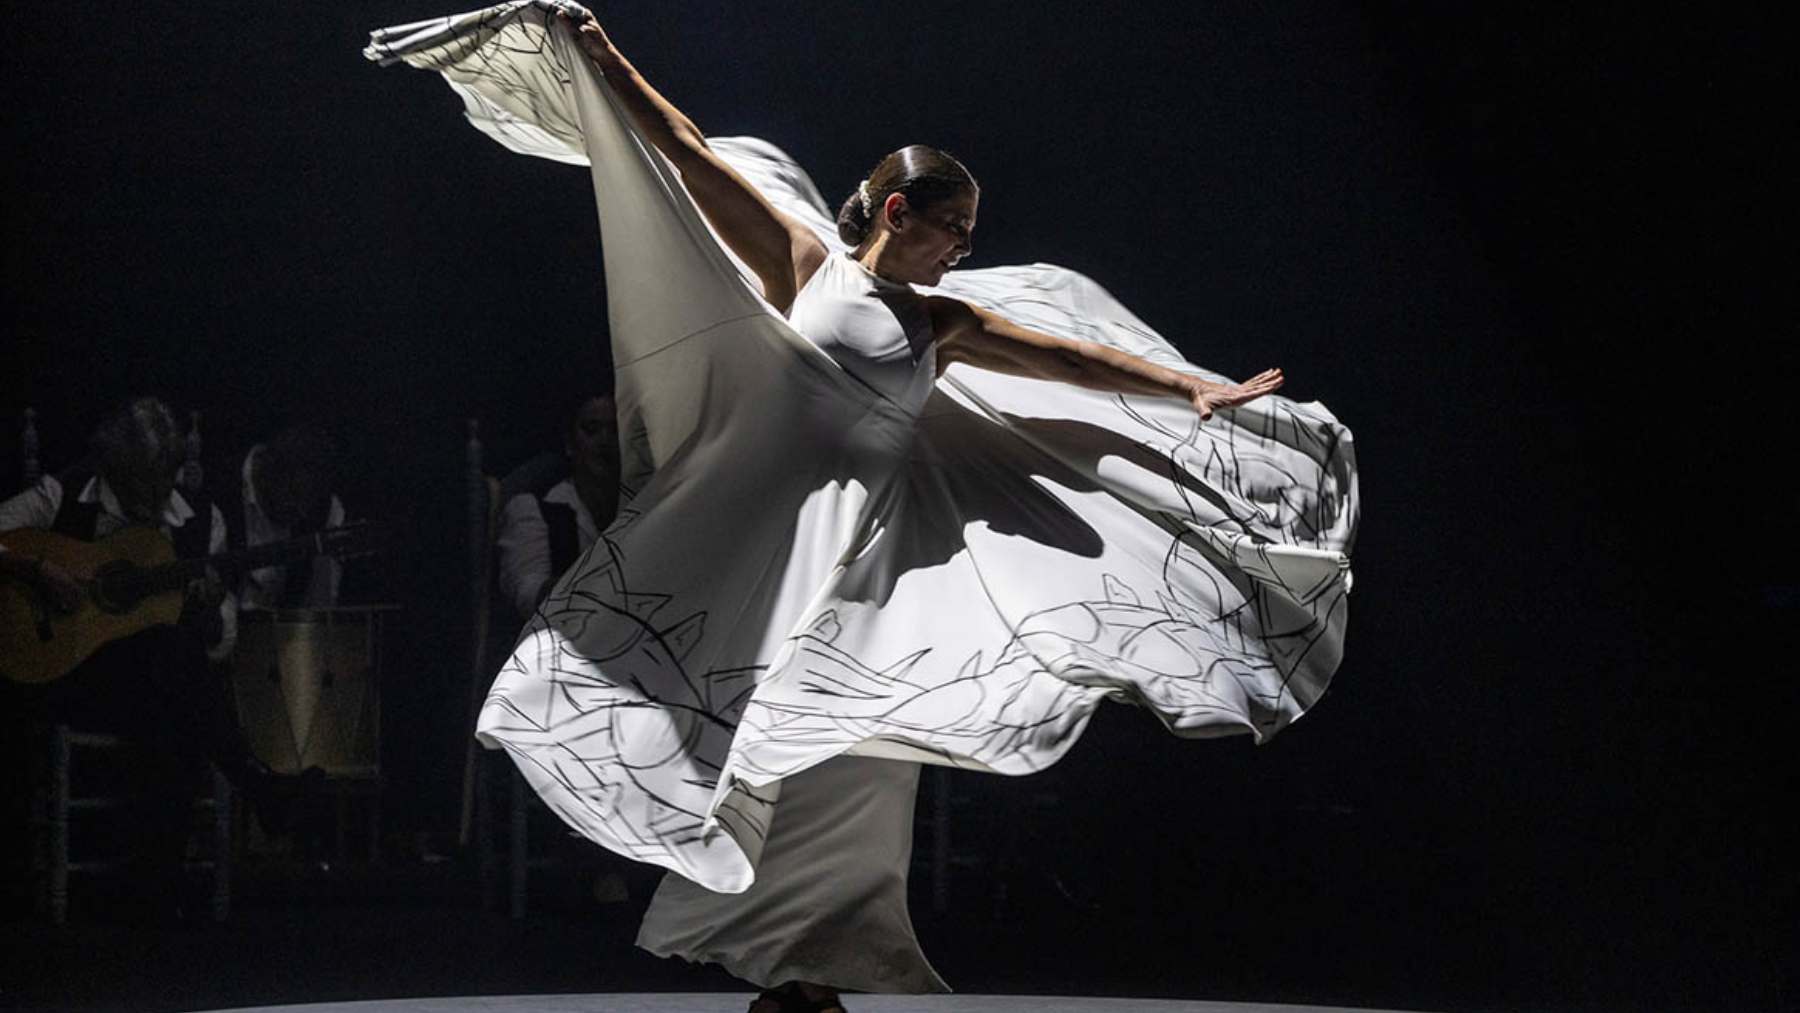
62,587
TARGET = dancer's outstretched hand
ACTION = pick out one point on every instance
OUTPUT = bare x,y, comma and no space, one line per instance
1209,397
589,33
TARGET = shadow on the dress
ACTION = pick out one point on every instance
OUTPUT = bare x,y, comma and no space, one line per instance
970,470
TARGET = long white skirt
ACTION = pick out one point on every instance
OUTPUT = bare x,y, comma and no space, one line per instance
829,901
804,572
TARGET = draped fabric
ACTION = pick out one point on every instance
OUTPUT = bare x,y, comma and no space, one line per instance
805,569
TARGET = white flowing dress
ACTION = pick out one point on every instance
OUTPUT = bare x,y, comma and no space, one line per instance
829,558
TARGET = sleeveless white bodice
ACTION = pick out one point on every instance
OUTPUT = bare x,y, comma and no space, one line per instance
878,330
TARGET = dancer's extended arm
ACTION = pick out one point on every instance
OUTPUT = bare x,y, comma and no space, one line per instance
782,252
977,337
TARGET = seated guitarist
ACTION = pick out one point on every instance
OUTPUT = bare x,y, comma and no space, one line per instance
129,478
156,687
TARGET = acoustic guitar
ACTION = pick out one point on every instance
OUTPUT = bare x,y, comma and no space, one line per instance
133,582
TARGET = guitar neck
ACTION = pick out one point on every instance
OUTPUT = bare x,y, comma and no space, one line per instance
178,573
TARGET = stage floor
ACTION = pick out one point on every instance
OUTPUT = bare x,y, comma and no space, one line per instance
727,1002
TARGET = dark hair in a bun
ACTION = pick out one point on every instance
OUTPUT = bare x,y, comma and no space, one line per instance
922,174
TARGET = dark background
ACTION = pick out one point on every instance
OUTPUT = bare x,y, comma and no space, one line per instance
1527,255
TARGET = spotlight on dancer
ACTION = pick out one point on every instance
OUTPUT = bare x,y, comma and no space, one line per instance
887,512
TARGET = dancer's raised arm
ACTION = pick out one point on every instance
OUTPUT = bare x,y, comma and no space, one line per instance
782,252
975,336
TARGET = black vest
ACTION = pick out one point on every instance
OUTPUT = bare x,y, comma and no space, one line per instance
192,538
564,532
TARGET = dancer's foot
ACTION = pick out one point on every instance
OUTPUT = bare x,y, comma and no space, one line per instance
817,999
798,997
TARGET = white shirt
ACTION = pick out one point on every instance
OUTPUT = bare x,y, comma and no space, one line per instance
37,507
262,589
524,543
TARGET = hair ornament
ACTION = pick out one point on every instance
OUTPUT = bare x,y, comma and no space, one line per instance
862,194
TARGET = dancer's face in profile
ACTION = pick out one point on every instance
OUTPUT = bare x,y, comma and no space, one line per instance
593,438
928,241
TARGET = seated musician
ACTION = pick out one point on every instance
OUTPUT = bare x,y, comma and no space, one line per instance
155,687
127,479
542,534
287,491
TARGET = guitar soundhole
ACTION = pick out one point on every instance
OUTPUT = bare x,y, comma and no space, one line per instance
115,589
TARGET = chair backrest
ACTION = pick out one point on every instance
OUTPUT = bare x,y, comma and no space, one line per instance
481,598
481,495
485,496
192,477
479,501
30,467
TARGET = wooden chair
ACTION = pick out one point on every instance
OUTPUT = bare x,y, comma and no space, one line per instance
61,804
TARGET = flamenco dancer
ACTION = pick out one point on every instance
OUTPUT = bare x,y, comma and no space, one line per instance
875,512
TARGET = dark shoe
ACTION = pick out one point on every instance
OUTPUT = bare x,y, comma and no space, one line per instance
789,998
277,799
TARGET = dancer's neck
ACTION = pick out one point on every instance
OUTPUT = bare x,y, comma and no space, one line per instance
878,260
